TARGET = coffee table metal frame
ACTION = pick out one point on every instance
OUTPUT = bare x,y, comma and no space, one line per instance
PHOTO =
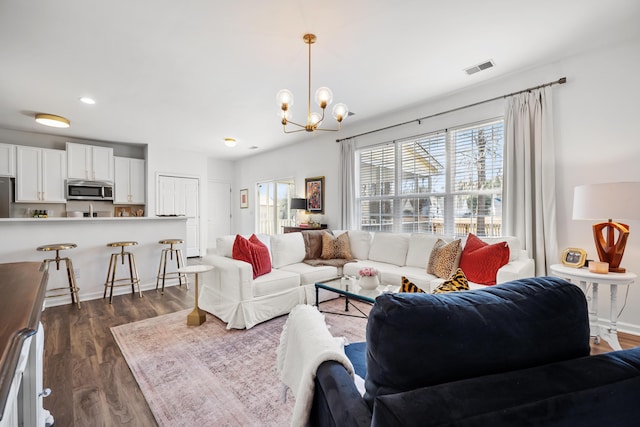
348,287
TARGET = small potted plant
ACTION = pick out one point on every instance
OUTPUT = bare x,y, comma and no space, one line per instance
368,278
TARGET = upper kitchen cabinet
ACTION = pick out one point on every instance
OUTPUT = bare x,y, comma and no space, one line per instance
7,160
40,175
89,162
129,181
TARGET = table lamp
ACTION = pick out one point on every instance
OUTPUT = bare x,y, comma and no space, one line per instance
298,204
619,200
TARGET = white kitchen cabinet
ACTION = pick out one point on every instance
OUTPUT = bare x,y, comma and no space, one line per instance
7,160
89,162
40,175
129,180
179,196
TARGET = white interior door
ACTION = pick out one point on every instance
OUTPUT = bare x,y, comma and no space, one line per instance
218,211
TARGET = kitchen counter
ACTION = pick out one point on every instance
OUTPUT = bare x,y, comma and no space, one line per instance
94,219
21,237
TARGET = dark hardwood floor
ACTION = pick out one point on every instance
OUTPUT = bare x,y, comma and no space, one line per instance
91,382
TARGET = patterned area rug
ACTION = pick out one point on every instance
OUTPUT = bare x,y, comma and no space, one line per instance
208,375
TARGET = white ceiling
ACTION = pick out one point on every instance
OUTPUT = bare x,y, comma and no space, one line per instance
192,72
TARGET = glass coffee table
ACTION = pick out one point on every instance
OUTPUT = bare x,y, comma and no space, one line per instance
348,287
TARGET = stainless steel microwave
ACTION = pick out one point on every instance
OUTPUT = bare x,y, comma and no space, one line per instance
89,190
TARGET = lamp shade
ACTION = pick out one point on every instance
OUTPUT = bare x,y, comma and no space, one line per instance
616,200
299,204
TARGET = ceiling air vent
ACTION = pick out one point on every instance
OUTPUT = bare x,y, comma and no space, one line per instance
479,67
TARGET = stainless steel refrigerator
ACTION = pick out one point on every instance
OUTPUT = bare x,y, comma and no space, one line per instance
6,197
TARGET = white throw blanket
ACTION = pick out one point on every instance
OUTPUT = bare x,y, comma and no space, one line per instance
305,343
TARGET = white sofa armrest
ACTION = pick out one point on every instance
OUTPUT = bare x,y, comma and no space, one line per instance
516,269
234,277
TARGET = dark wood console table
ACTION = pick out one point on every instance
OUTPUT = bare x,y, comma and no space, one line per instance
288,229
22,290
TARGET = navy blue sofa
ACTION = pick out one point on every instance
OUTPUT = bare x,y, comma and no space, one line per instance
515,354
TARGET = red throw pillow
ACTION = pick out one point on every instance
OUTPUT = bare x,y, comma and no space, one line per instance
254,252
261,258
481,261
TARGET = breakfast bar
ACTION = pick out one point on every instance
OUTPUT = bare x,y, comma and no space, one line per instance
21,237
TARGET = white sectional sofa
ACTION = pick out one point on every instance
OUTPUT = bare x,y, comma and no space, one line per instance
230,292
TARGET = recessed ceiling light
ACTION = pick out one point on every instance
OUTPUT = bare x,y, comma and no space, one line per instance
52,120
230,142
253,147
87,100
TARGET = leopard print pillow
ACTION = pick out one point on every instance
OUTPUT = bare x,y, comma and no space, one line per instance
408,286
457,282
444,258
336,247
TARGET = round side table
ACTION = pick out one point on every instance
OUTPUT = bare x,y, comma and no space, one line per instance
585,280
197,317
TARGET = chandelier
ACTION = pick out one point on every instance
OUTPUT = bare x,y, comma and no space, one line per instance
323,98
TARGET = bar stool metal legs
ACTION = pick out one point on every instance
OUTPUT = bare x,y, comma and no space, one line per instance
133,278
162,267
71,277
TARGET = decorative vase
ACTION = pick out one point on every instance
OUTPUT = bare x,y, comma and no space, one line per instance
369,282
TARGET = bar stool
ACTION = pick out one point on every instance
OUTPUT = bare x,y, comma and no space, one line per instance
73,287
133,279
162,268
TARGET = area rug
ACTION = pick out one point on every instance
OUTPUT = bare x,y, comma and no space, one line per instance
208,375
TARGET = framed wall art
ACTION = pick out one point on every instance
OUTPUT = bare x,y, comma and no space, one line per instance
244,198
314,193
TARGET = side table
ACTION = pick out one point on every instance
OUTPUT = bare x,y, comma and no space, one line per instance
197,317
584,278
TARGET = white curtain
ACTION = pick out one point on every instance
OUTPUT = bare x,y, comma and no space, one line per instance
529,205
347,164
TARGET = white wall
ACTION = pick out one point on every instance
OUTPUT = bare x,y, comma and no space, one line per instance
595,116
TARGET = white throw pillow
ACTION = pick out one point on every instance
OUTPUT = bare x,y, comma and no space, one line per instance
390,248
224,245
286,249
420,247
360,242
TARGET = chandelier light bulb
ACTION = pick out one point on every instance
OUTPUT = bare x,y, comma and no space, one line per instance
340,112
324,97
285,99
315,118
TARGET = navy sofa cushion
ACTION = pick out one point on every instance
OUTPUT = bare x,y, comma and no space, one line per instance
419,340
589,391
357,354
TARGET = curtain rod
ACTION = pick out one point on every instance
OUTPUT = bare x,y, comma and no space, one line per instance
561,80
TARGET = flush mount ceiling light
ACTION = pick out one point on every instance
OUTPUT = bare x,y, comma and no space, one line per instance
87,100
52,120
323,98
230,142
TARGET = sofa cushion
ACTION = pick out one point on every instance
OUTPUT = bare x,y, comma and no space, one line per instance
335,247
420,247
588,391
444,258
312,243
481,261
408,286
224,244
390,248
360,243
312,274
512,318
457,282
287,249
275,282
254,252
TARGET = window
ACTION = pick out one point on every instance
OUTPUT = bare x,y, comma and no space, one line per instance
273,206
447,182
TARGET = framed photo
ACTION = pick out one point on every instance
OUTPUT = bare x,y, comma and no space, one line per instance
573,257
244,198
314,193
